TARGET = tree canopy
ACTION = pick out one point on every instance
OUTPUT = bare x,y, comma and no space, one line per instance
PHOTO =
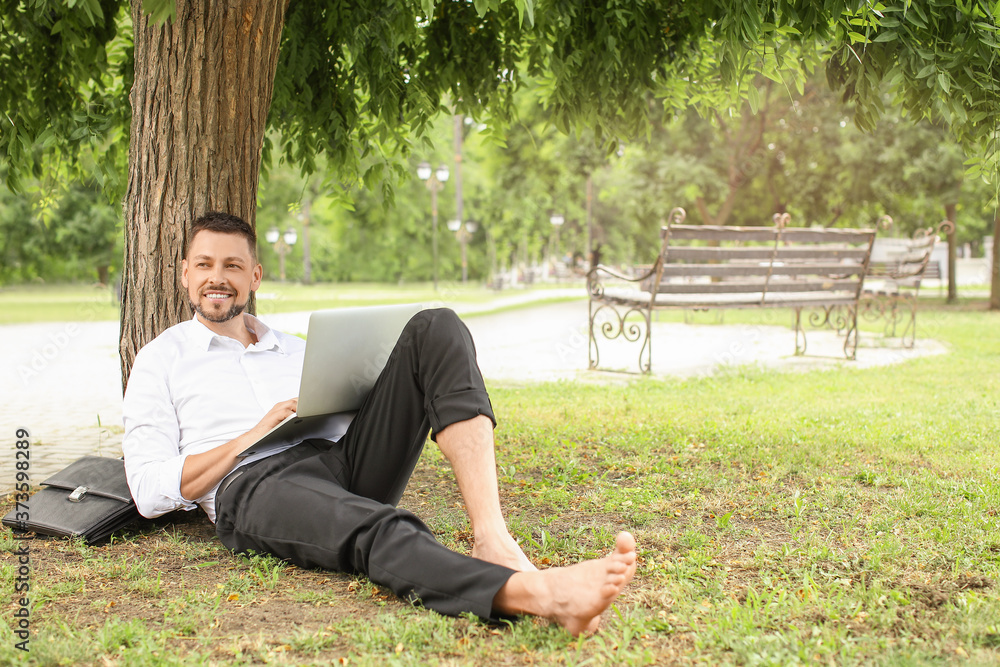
356,81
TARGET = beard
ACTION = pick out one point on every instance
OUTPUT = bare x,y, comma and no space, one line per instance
233,311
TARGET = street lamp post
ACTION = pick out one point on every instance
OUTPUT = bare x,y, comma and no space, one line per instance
435,180
282,245
463,232
557,221
304,218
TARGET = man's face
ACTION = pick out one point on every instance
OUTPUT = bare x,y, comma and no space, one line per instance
219,274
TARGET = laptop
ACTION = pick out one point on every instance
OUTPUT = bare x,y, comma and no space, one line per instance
346,349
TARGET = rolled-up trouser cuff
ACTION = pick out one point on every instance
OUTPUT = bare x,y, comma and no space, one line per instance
458,406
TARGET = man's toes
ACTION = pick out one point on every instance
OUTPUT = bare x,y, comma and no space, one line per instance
624,542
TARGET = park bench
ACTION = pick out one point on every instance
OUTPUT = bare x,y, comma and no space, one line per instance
701,267
892,287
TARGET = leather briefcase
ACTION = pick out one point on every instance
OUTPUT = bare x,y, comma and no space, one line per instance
89,499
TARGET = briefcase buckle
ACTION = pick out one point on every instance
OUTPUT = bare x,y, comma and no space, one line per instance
78,494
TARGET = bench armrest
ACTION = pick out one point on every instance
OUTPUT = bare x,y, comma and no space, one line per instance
595,284
600,268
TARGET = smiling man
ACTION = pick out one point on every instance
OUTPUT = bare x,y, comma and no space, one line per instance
209,291
206,389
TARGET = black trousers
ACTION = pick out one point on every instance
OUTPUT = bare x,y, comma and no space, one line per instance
333,505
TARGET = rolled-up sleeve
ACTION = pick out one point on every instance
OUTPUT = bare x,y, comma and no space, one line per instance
153,461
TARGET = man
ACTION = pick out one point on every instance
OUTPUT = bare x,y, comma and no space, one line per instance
205,389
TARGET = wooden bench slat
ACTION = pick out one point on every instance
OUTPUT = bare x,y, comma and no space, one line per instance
758,286
852,236
788,234
770,301
761,269
761,253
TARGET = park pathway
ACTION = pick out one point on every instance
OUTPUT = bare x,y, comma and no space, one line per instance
62,380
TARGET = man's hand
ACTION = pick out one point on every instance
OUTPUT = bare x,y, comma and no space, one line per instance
279,413
203,471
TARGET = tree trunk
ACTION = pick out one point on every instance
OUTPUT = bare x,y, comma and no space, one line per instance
995,266
949,214
202,90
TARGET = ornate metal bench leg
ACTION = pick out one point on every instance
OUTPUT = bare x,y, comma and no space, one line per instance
615,324
800,334
909,336
893,316
647,345
851,339
593,356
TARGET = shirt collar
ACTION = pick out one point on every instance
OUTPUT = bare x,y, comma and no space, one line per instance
266,338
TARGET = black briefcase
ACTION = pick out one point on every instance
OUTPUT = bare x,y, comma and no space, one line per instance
88,499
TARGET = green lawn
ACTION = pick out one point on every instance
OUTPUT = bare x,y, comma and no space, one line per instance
842,516
83,303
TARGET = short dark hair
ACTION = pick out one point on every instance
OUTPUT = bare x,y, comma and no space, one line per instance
223,223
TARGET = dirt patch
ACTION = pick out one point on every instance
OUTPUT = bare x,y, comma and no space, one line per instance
937,594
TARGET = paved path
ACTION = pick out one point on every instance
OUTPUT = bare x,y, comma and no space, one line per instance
62,380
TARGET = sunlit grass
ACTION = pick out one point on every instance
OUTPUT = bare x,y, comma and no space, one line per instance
838,516
85,303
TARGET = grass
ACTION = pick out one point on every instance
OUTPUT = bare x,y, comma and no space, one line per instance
847,516
87,303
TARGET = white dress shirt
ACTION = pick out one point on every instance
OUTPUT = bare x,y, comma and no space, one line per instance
191,390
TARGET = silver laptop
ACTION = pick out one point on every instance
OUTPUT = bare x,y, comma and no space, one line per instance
346,349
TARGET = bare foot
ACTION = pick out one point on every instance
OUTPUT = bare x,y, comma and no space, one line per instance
502,550
574,596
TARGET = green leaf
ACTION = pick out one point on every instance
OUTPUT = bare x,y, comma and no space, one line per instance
94,10
926,71
886,36
530,7
856,37
753,98
14,180
160,11
942,78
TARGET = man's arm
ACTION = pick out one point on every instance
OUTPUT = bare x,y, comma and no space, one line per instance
203,471
160,477
153,461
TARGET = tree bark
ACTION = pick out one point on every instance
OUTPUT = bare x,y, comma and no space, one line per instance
949,214
995,266
202,90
